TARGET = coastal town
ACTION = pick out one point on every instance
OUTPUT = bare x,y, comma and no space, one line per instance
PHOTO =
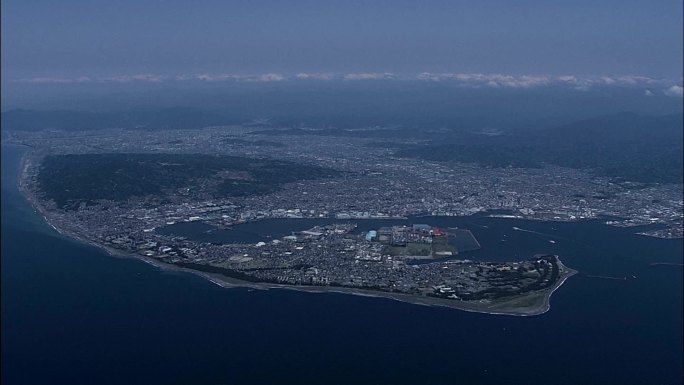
414,262
374,183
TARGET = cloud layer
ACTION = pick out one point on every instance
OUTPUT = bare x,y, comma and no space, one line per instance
676,91
474,80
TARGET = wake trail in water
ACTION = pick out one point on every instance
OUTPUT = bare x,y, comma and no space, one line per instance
541,234
552,236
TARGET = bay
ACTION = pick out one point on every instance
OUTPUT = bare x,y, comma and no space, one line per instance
72,314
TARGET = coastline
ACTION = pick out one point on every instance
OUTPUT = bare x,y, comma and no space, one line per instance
515,306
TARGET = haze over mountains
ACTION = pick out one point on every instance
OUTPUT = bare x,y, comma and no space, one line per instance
496,102
627,146
622,131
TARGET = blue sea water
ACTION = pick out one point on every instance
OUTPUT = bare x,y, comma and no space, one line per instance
73,315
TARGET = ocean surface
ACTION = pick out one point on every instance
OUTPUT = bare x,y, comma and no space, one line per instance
71,314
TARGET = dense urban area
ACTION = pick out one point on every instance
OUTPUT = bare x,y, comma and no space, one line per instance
257,176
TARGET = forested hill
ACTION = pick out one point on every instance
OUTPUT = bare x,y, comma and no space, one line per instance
634,147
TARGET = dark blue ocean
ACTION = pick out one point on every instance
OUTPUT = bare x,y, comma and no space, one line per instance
73,315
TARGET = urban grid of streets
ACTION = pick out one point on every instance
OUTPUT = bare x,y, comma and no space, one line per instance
375,184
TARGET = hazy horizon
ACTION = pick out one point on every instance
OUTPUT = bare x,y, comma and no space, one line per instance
44,40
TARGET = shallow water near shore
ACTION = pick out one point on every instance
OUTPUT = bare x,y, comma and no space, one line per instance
72,314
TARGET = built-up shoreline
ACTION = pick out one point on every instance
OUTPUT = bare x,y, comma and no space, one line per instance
529,304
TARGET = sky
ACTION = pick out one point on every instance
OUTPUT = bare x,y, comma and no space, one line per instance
93,38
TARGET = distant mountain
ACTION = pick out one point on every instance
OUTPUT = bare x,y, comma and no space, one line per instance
157,118
622,128
30,120
637,147
634,147
625,145
414,105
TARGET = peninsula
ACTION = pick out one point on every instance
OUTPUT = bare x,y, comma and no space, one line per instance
96,199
